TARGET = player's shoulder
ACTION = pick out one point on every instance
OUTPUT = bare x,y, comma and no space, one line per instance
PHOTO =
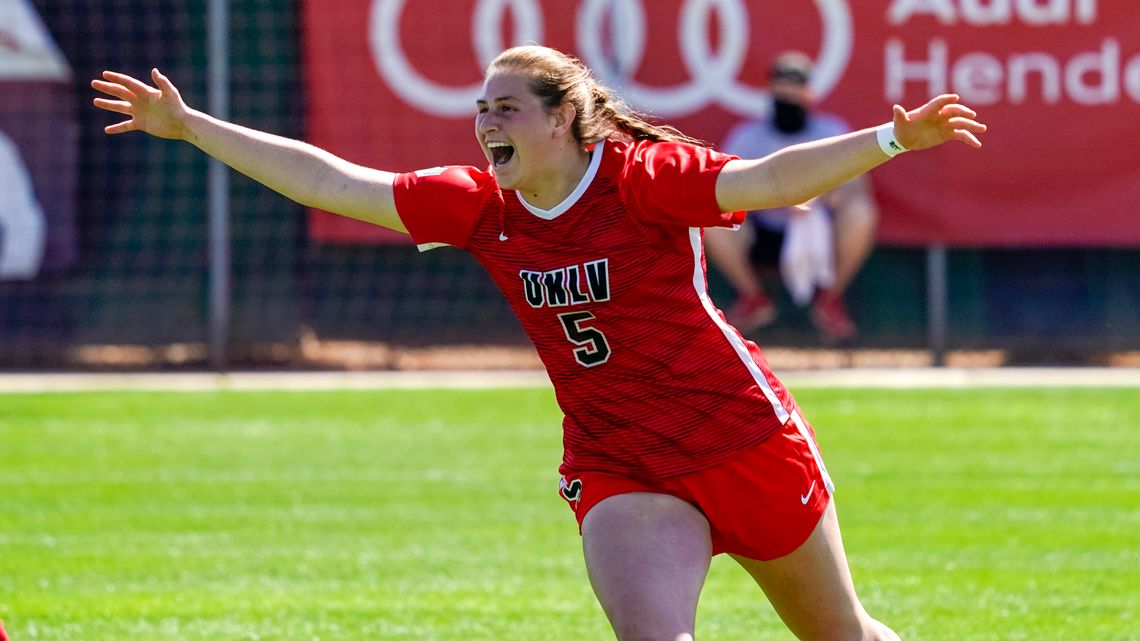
655,151
460,176
460,187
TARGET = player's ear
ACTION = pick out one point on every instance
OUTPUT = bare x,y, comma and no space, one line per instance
564,115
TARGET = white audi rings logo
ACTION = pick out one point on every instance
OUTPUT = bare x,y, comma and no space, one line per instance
713,74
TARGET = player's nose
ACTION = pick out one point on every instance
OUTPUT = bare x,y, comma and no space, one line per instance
486,124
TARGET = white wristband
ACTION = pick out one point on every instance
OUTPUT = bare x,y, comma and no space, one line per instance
887,140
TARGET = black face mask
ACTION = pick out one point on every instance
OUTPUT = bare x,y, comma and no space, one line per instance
790,117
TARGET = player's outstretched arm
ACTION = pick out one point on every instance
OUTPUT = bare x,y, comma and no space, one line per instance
307,174
802,172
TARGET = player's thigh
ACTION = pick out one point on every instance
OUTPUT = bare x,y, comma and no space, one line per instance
647,556
811,587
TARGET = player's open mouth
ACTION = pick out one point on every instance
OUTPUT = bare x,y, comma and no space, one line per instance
501,153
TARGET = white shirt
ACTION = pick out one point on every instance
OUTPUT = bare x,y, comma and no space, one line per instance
23,227
759,138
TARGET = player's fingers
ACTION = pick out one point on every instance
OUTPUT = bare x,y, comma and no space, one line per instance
899,115
118,106
934,107
120,128
957,111
968,138
162,82
931,110
136,86
968,125
938,102
112,89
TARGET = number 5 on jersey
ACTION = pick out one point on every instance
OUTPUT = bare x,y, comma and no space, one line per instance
592,346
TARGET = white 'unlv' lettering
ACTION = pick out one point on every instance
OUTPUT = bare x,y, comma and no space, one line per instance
587,283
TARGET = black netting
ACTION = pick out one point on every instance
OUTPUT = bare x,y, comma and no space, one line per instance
123,255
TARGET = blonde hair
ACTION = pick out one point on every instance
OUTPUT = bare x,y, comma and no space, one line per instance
557,78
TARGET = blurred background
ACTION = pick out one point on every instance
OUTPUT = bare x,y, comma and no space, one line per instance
127,252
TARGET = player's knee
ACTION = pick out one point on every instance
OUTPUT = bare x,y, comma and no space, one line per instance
660,633
654,637
853,629
882,633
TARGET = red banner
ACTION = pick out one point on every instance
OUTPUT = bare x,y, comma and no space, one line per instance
392,84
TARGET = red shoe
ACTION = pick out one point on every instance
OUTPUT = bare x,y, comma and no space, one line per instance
752,312
3,635
830,317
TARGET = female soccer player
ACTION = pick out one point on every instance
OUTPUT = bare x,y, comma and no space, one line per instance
679,441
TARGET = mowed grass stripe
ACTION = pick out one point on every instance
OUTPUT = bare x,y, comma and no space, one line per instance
409,514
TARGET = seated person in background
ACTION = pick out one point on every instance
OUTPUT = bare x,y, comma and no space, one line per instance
23,226
850,208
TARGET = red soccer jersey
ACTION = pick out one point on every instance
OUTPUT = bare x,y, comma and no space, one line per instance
610,285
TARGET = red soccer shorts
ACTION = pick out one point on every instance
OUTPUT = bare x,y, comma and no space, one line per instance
762,504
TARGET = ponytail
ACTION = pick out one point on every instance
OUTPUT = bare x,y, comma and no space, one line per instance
557,78
613,113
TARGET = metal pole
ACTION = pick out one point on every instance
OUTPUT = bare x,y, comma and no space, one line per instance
936,297
218,186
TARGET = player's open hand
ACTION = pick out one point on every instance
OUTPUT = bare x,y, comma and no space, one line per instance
941,120
157,111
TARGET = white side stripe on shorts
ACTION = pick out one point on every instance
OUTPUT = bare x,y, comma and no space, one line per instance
801,425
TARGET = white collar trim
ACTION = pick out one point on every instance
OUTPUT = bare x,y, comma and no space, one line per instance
568,202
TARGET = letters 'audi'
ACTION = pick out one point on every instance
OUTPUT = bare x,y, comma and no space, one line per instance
713,74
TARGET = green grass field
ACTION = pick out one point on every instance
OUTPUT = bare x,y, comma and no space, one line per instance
968,514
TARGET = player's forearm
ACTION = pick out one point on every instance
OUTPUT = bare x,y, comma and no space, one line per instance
287,166
798,173
300,171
